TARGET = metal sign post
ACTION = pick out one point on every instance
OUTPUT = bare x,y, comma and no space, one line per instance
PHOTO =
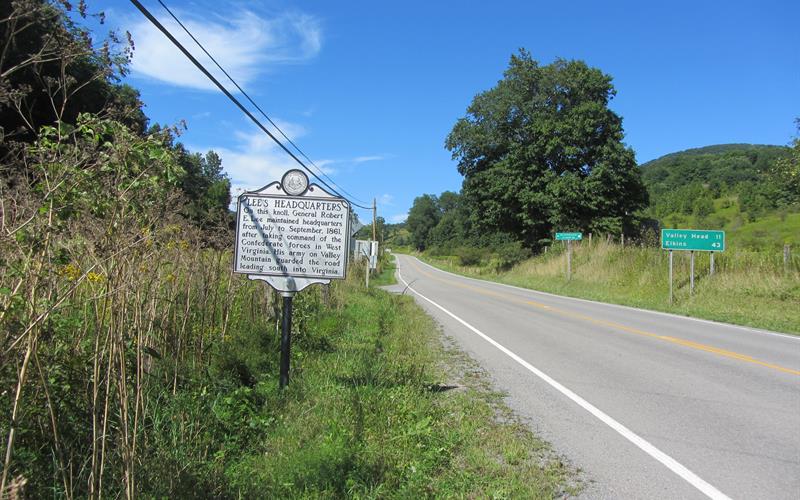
286,338
569,237
291,234
691,240
366,267
670,277
787,254
569,259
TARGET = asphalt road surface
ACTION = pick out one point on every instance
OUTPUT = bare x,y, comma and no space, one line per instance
648,405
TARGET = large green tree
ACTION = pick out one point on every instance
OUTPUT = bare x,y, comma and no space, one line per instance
52,70
422,218
543,151
786,171
453,226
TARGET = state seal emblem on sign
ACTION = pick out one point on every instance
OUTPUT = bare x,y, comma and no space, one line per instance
294,182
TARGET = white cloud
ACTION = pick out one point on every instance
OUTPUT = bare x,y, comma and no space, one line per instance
323,165
245,44
362,159
386,200
254,160
395,219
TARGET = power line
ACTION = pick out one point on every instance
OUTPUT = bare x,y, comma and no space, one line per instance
230,96
263,113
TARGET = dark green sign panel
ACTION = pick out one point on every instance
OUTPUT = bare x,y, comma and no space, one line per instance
693,239
569,236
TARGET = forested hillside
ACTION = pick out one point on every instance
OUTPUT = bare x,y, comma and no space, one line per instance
746,189
678,180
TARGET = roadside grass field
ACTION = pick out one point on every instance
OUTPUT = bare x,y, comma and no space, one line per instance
378,407
749,287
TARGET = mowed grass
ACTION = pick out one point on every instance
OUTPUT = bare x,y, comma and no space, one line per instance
750,288
385,274
377,407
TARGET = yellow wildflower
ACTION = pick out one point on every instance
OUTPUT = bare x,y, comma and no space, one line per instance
70,271
95,277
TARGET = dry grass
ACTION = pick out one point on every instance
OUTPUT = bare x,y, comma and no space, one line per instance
748,287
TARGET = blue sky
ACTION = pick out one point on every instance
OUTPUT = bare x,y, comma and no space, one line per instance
370,90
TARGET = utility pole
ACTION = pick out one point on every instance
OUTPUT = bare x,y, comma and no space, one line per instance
374,219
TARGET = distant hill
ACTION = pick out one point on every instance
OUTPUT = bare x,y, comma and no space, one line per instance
723,186
721,164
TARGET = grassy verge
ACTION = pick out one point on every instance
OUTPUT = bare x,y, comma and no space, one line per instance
372,411
385,272
748,288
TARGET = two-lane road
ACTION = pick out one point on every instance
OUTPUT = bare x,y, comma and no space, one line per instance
650,405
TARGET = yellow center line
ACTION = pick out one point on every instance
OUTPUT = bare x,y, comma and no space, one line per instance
612,324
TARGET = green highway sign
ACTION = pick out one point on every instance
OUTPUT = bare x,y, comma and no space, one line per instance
569,236
693,239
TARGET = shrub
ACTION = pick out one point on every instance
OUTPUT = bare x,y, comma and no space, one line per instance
509,254
469,256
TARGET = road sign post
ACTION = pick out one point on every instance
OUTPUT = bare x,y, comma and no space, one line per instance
786,257
569,238
569,260
366,268
691,240
670,277
291,235
286,340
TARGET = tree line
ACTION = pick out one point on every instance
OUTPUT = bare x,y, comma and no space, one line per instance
688,182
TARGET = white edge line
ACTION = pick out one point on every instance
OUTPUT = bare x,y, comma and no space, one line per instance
672,464
618,306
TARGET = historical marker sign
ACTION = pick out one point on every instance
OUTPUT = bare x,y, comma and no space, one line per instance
291,235
693,240
569,236
290,229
